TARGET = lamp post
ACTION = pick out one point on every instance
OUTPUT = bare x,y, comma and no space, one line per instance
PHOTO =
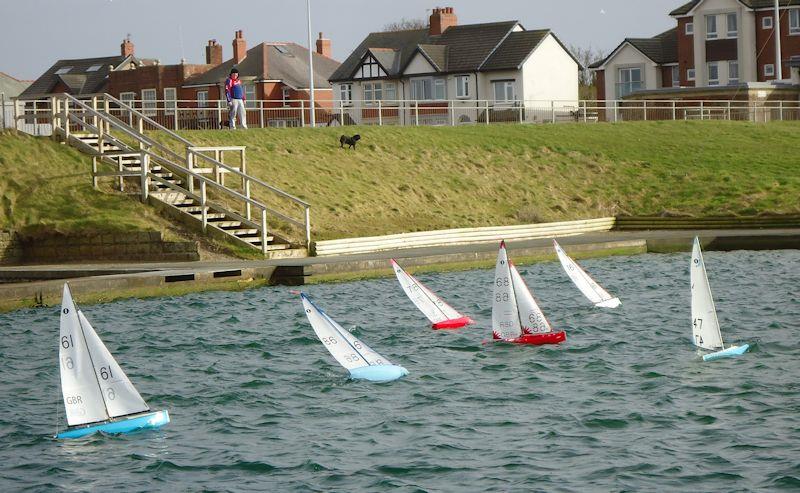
777,24
313,118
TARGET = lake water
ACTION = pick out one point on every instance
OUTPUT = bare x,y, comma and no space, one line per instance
257,403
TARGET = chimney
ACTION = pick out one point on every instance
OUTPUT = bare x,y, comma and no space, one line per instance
441,19
213,52
126,48
239,47
324,46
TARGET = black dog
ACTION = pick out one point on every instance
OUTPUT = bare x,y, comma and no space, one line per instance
350,141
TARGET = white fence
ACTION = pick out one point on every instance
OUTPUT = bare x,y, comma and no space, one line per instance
188,115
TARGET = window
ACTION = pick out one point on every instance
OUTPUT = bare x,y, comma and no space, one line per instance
127,98
371,68
63,70
766,22
250,96
733,28
769,70
711,27
94,68
689,28
794,21
373,91
202,99
676,76
428,88
346,93
439,89
390,92
503,90
733,72
170,100
713,74
690,74
149,104
628,81
462,86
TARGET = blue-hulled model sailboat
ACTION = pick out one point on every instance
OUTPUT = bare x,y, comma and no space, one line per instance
705,326
98,396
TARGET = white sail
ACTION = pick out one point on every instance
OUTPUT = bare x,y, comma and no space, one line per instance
505,317
428,303
350,352
584,282
530,315
82,398
705,326
121,397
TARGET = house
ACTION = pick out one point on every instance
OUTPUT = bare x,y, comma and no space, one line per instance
275,79
463,68
719,49
84,76
11,87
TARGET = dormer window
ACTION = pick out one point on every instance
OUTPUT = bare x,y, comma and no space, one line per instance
94,68
63,70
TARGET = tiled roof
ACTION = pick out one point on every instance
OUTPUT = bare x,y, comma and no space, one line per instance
388,58
95,81
287,62
753,4
403,43
515,49
661,49
12,87
437,54
470,45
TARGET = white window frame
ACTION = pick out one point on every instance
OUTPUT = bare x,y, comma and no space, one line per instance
149,102
508,88
709,33
202,99
676,76
731,78
439,89
371,68
713,81
128,98
170,101
249,95
732,33
766,22
690,28
346,94
373,92
794,22
285,96
462,86
769,70
690,74
390,93
622,89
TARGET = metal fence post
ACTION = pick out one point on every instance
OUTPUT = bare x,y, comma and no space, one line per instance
261,113
487,111
452,108
702,110
380,114
416,113
644,109
780,108
585,111
302,113
553,111
341,113
521,106
729,111
674,112
616,111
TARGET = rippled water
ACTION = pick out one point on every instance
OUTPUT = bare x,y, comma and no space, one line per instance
258,404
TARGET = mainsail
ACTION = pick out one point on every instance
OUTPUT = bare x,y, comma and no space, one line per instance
705,326
428,303
505,316
588,286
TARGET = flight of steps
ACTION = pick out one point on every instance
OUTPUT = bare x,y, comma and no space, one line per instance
175,203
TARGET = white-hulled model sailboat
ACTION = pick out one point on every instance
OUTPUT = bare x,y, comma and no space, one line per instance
588,286
705,326
361,360
441,315
97,394
515,315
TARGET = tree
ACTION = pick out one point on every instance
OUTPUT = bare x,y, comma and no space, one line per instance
406,25
586,77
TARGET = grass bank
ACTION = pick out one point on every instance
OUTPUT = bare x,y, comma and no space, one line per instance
425,178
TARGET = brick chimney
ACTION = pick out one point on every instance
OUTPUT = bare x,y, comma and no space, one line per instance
239,47
324,46
441,19
213,52
126,48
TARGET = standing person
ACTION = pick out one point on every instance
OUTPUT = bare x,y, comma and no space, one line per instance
234,92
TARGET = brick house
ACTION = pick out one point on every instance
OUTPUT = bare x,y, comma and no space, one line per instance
499,63
275,73
719,49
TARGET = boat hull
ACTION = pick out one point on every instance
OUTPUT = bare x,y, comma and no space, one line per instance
452,324
731,352
612,303
153,420
539,339
378,373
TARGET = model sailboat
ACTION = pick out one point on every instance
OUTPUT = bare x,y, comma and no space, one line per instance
705,326
588,286
98,396
516,317
441,315
361,360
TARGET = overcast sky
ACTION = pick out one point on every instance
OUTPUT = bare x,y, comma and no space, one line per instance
36,33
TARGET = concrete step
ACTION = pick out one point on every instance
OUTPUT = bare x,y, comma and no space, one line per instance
225,225
255,239
242,232
211,216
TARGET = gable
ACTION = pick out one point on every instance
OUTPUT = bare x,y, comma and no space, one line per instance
369,69
419,65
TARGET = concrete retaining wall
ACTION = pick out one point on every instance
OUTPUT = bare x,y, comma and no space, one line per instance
464,236
147,246
640,223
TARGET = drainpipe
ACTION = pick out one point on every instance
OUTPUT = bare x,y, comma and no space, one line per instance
777,24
